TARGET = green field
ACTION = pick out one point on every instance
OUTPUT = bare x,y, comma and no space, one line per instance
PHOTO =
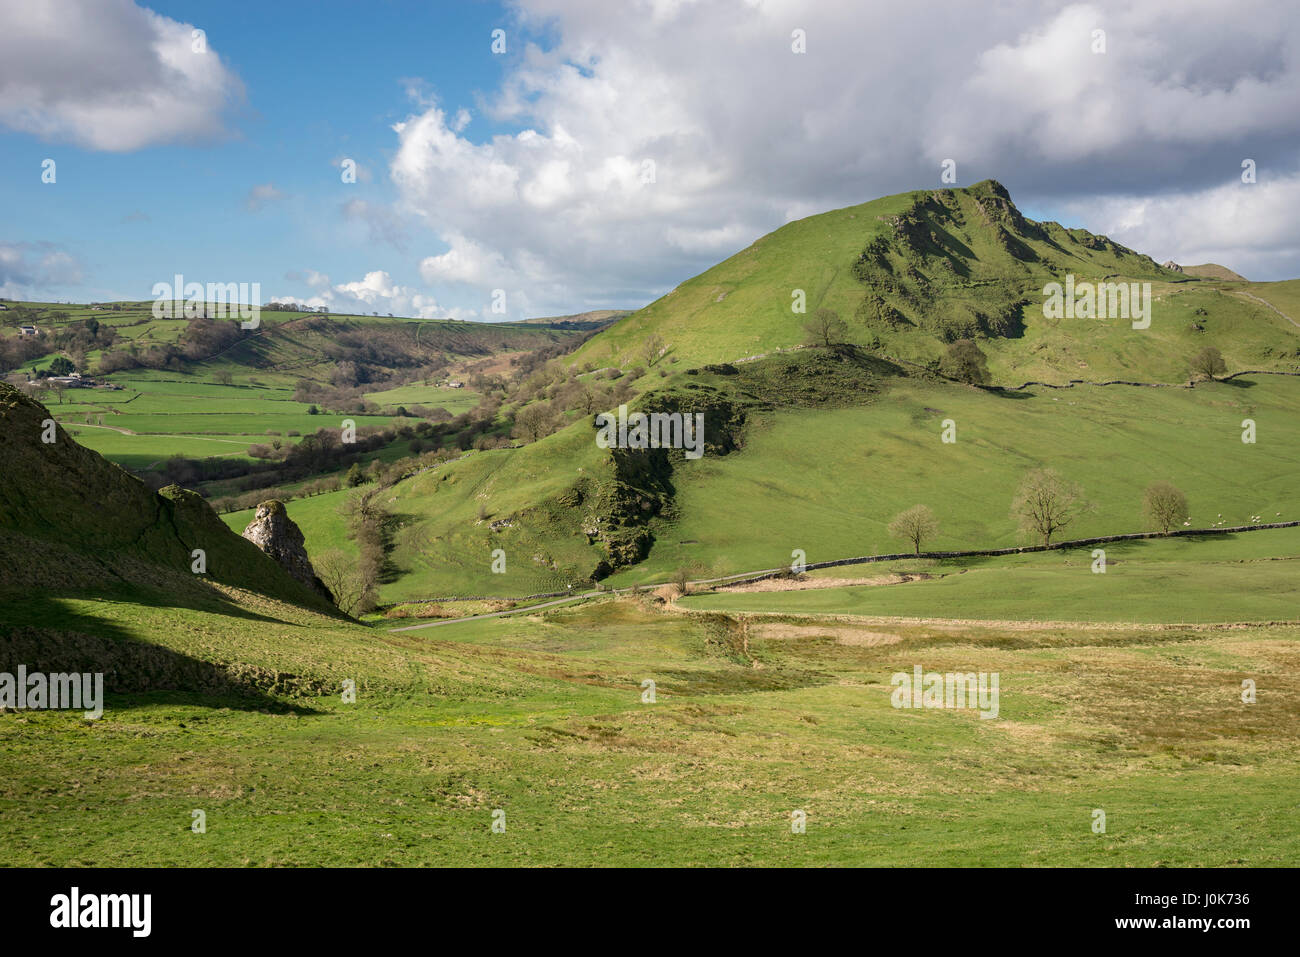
541,717
1250,576
190,418
454,401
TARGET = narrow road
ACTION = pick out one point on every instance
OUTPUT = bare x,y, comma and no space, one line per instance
87,425
512,611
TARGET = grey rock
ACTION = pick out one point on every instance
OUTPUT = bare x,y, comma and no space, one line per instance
274,532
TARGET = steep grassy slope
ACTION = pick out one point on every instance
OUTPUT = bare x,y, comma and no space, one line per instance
911,272
72,523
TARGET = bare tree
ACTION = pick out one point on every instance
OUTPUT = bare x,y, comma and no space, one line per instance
682,579
915,525
824,327
1164,506
534,421
652,349
1046,503
1209,363
343,576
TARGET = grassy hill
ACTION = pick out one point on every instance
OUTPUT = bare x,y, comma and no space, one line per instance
72,523
912,272
820,448
1213,271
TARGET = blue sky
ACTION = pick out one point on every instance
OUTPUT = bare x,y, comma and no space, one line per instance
527,172
323,80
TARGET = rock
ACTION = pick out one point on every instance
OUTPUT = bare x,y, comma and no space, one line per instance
274,532
1172,265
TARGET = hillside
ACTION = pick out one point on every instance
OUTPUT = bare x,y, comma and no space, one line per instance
73,523
1214,271
912,272
593,319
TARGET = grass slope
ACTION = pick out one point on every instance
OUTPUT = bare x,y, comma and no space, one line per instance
912,271
542,718
830,481
1252,576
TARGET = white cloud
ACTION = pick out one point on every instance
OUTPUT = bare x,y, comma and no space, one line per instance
32,270
374,292
1250,228
744,134
109,75
467,262
261,195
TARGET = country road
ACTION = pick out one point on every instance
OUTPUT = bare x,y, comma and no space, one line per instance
87,425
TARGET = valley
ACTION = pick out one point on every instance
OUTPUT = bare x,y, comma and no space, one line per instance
529,621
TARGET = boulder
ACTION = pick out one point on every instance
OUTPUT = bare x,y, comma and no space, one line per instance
274,532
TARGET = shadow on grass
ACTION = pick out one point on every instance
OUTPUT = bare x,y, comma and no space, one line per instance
45,635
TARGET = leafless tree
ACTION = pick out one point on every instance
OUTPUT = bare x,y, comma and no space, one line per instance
824,327
1164,506
1046,503
915,525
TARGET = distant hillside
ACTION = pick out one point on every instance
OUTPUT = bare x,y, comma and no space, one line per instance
1214,271
581,320
910,273
109,337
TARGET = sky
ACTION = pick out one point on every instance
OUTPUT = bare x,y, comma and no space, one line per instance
546,157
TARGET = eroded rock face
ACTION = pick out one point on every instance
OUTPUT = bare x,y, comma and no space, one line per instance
274,532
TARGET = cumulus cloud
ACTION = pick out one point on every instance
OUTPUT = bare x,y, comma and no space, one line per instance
374,292
1247,227
27,270
109,75
647,144
261,195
